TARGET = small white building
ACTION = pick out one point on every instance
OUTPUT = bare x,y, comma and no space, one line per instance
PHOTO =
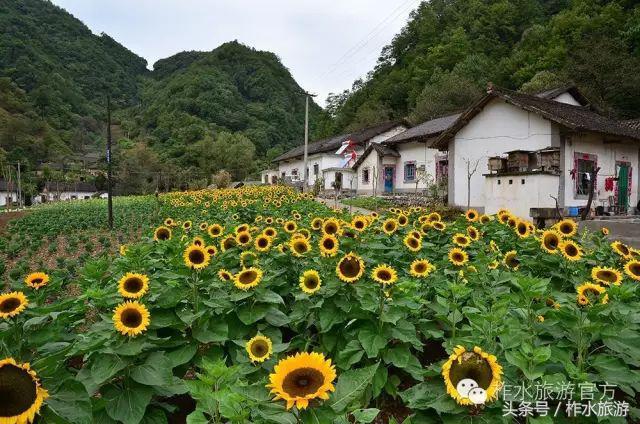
322,161
404,163
521,130
56,191
269,176
8,193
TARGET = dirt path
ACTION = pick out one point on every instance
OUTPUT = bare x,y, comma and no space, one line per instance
352,209
5,217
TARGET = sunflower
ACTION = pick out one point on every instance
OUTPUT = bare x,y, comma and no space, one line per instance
621,249
477,365
304,233
605,231
632,269
458,257
504,218
244,238
131,318
12,304
198,241
403,220
133,286
162,233
227,243
242,228
328,245
215,230
359,223
169,222
316,223
350,268
434,217
471,215
589,289
384,274
123,249
421,268
523,229
567,227
21,395
389,226
268,220
606,276
473,233
493,264
262,243
270,232
570,250
461,240
512,221
415,234
248,278
224,275
331,226
439,225
310,281
196,257
186,225
203,226
299,246
301,378
550,240
259,348
412,243
290,227
511,259
211,250
484,219
36,280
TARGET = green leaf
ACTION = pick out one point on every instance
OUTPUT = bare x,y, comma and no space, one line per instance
329,316
277,318
182,355
372,341
351,354
127,404
105,366
249,314
156,370
71,402
210,330
351,386
365,416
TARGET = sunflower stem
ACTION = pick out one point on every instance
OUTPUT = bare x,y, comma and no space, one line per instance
381,310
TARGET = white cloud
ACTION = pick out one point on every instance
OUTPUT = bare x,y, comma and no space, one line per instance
310,36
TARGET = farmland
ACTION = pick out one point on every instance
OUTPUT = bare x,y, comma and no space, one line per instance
260,305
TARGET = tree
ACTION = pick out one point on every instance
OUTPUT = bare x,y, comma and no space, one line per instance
447,93
235,153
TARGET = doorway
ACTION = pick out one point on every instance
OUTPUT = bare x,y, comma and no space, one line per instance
622,190
388,178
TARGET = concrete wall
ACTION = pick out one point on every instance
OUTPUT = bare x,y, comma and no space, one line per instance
266,177
607,155
4,195
64,195
520,193
497,129
422,156
324,161
373,163
349,179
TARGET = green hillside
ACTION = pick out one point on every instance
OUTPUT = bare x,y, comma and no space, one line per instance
451,49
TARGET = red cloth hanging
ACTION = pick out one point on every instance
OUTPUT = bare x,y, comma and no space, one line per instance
608,184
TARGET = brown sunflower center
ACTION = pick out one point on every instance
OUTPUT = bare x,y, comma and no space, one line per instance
133,284
402,220
215,231
211,251
131,318
551,241
522,229
36,281
359,225
571,250
330,228
300,247
412,242
162,234
10,305
263,242
311,282
389,226
243,238
606,275
248,277
290,227
269,233
328,244
566,228
461,240
18,391
196,257
471,366
420,267
634,268
228,243
302,381
512,261
350,267
458,257
259,348
383,274
623,249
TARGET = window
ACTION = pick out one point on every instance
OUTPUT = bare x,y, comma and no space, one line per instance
522,181
307,173
294,171
316,169
585,164
365,175
284,174
409,171
338,181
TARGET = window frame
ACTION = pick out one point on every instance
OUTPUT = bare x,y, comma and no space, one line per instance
579,191
408,165
366,176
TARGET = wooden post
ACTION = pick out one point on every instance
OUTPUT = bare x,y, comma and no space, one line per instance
592,180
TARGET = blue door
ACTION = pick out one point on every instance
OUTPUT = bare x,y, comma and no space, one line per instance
388,179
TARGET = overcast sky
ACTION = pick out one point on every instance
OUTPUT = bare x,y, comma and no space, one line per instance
326,44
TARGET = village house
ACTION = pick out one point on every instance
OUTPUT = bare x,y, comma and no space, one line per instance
404,163
323,162
524,152
55,191
7,193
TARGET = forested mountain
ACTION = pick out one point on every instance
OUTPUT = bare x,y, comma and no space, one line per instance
451,49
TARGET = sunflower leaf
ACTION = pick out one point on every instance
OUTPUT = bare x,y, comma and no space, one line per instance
127,404
351,386
156,371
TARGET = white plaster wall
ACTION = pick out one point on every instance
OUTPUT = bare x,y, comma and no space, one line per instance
64,195
519,198
607,155
422,155
373,163
268,174
387,135
348,179
323,160
566,98
4,195
498,128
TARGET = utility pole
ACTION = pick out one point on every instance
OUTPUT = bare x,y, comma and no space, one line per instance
20,203
306,140
109,200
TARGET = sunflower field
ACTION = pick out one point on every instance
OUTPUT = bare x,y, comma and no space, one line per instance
260,305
